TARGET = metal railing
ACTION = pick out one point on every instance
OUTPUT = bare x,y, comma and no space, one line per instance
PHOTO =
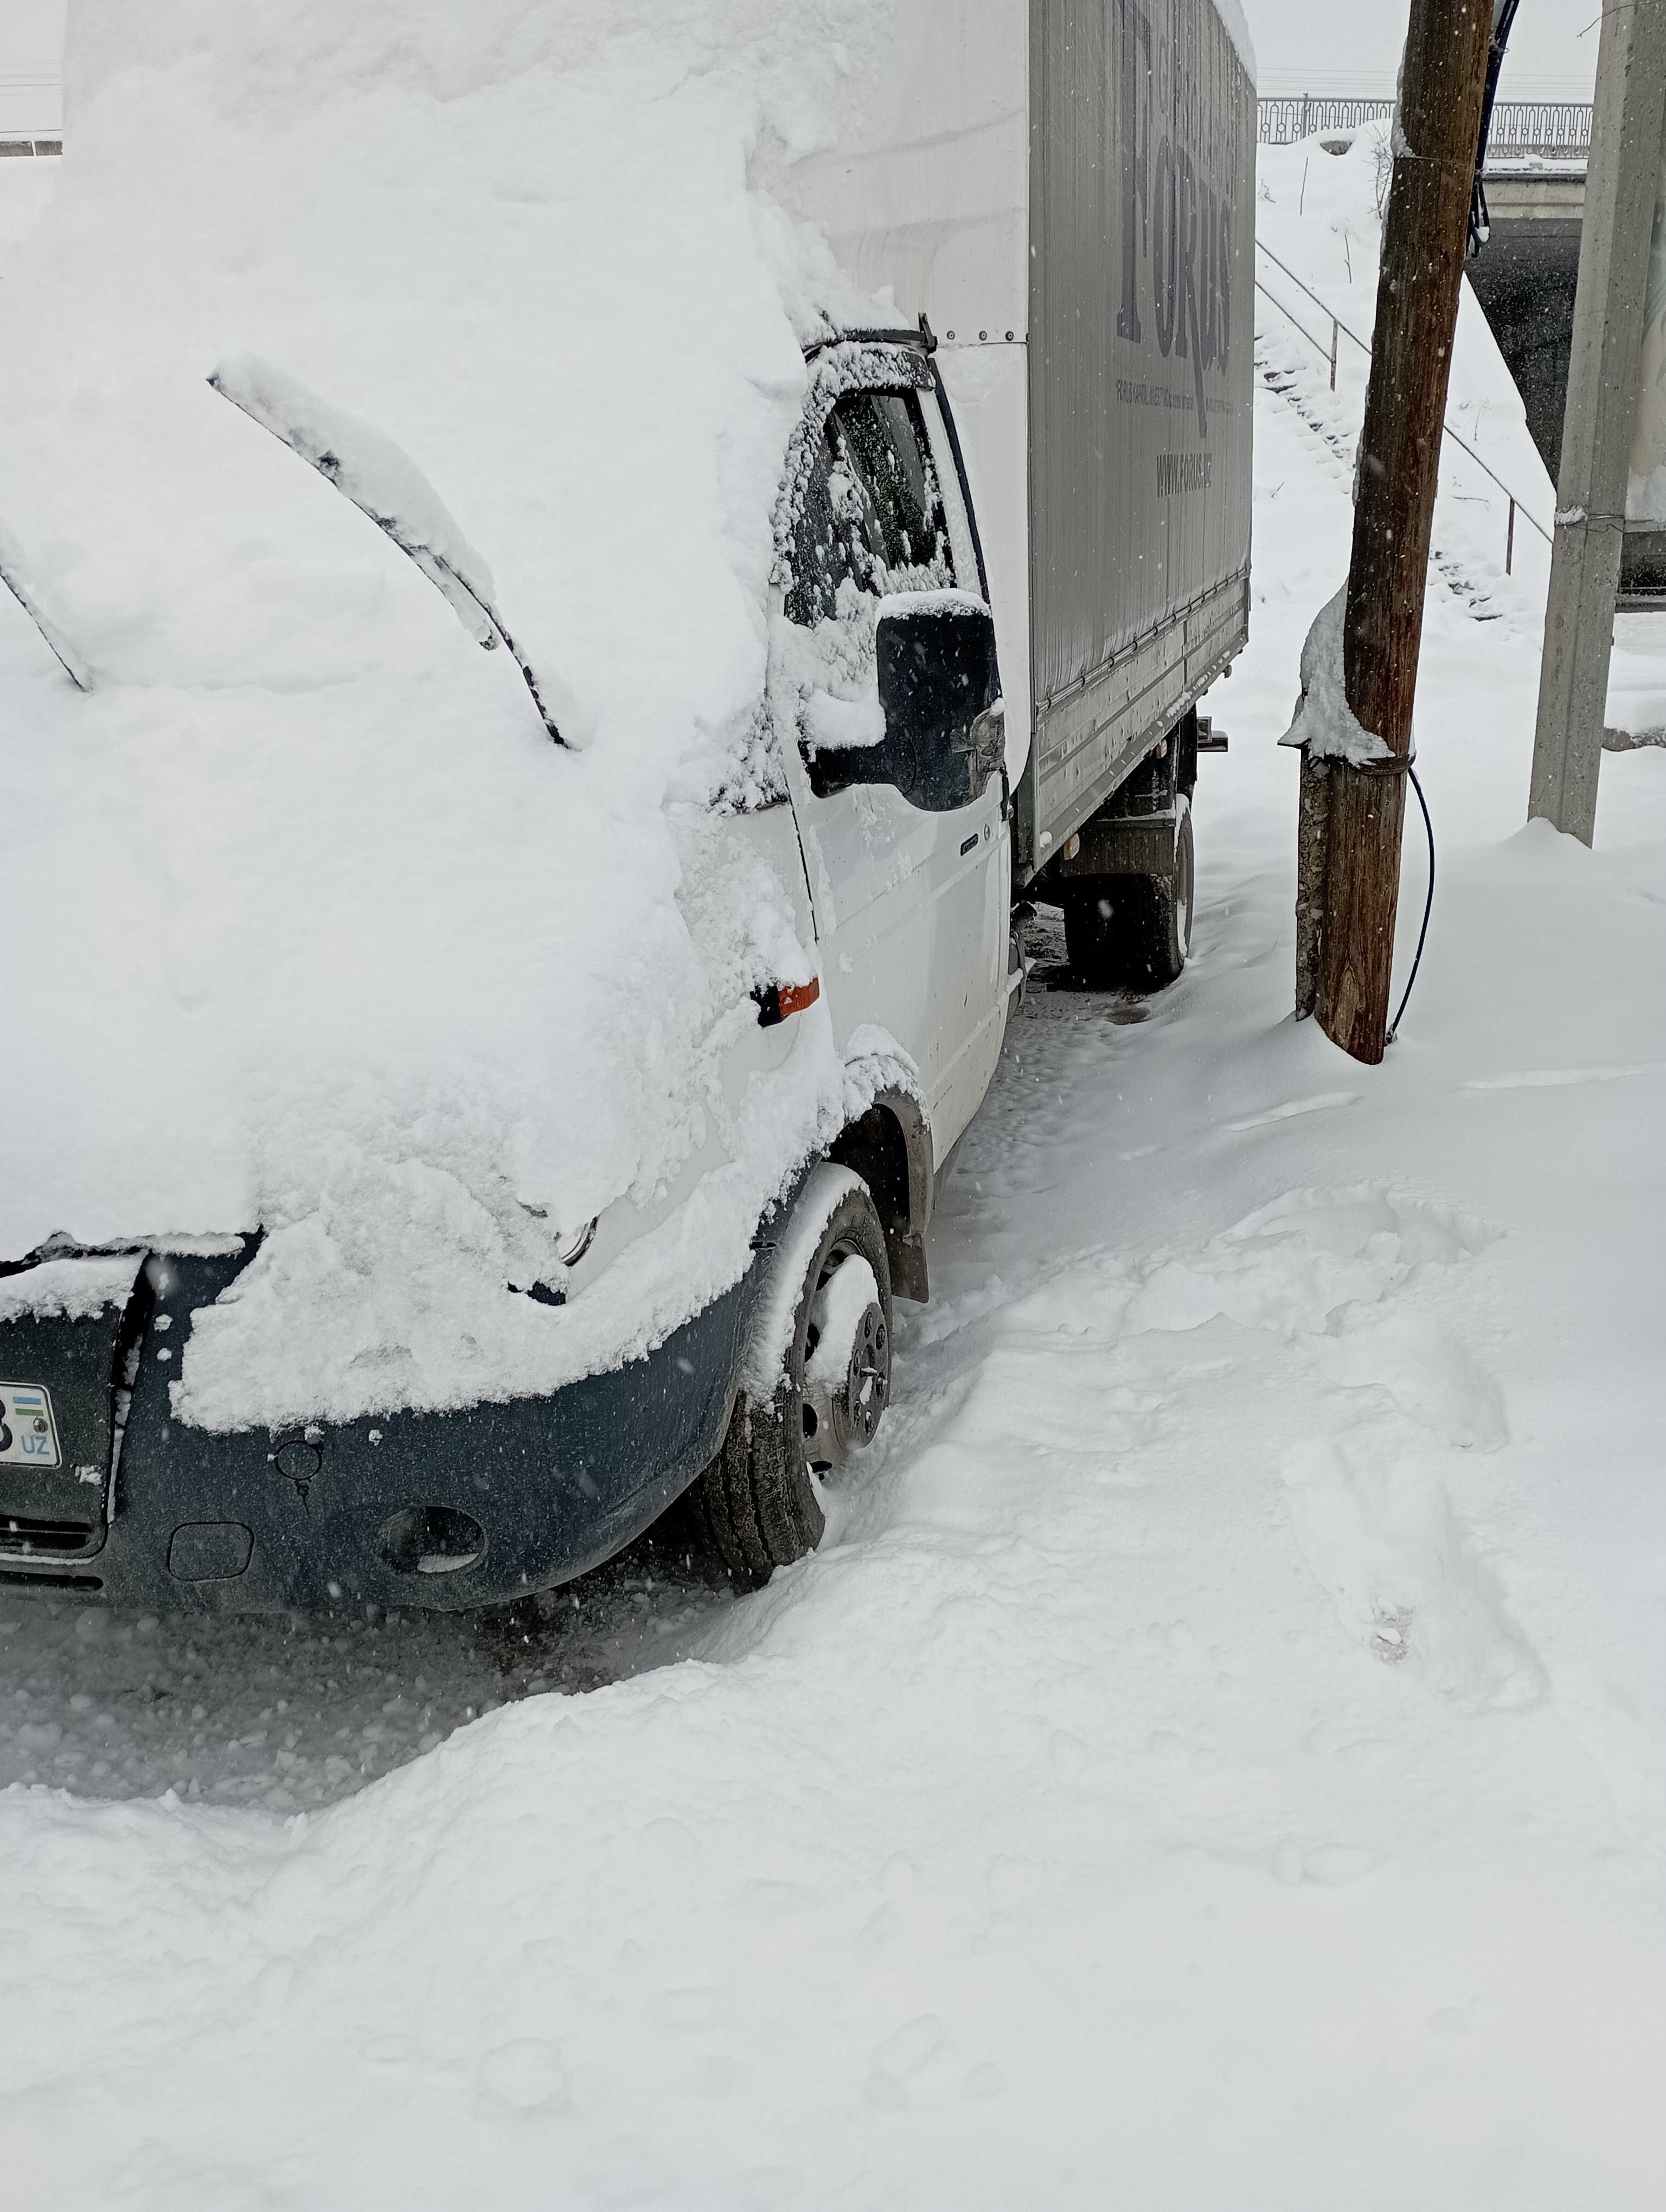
1298,115
1340,330
1551,127
1559,128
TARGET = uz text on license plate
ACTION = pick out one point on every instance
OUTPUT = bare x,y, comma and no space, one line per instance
28,1434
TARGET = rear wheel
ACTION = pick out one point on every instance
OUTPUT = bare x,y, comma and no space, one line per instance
759,1495
1133,932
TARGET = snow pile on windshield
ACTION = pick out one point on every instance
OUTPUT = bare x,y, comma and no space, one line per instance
370,469
314,931
384,484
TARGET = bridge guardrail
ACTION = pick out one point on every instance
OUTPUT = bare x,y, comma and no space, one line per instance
1556,128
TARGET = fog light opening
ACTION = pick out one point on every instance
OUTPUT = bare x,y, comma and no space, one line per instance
431,1540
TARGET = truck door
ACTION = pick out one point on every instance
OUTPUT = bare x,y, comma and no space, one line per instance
909,885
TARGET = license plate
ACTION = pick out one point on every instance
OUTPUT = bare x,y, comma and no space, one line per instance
28,1434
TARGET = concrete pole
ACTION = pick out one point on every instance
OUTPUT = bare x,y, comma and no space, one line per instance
1596,428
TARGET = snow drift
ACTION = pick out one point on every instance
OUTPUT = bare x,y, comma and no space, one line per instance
314,930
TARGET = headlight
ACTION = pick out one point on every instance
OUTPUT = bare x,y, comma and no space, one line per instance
567,1255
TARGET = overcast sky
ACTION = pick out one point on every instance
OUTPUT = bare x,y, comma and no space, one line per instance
1304,45
1353,45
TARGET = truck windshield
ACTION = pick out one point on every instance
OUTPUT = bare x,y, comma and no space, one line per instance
872,511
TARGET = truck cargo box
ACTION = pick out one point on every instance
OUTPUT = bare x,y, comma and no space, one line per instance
1065,189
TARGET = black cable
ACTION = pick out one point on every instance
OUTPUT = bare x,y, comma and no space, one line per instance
1428,904
1504,15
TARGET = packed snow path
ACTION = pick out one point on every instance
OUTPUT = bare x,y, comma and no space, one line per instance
1217,1758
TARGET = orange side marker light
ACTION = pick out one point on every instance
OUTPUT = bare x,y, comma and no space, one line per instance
775,1001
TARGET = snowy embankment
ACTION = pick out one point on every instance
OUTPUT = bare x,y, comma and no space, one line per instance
1217,1759
1316,235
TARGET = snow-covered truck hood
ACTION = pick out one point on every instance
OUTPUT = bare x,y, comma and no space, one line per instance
313,930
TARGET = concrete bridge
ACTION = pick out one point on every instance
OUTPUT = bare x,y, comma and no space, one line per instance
1525,276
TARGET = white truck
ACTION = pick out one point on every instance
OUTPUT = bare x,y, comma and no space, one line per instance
1010,551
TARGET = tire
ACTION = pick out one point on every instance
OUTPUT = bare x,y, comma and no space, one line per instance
1133,932
758,1497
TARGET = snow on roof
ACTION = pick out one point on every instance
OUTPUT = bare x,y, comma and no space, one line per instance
312,927
1236,24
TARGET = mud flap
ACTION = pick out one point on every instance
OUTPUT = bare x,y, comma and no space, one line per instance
1134,833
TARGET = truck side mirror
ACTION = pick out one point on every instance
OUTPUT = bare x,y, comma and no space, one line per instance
940,690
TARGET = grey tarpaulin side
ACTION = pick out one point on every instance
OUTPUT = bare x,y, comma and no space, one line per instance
1141,368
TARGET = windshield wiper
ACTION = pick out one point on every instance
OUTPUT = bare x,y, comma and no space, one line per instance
14,573
382,481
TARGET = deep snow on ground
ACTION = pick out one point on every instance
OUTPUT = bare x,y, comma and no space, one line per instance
1216,1759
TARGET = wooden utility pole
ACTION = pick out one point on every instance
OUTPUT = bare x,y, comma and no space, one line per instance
1349,850
1597,426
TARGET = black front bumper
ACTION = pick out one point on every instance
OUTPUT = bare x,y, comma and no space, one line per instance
368,1513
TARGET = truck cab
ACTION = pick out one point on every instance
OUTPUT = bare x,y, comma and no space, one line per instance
880,807
886,688
479,1108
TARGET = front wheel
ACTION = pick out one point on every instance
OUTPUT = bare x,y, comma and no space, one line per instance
760,1494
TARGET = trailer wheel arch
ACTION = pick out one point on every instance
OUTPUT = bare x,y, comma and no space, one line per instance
890,1148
